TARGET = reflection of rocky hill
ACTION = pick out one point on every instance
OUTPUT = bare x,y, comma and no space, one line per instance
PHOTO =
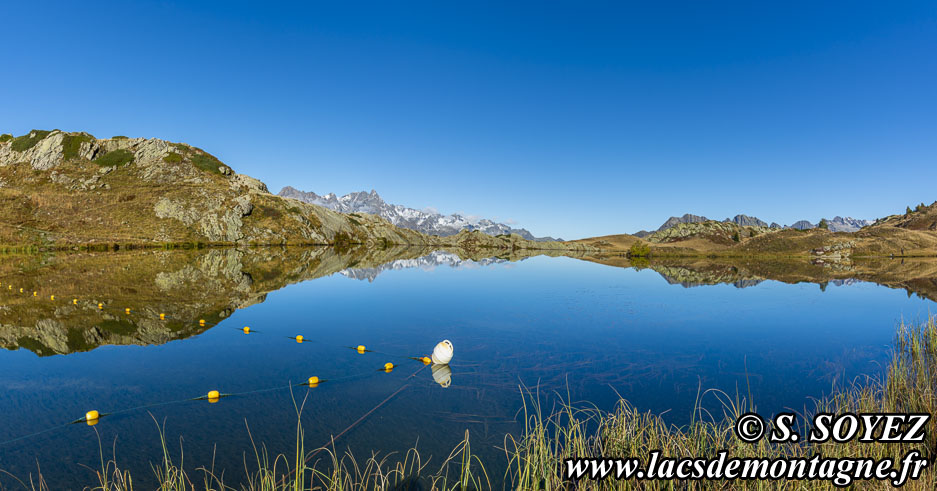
916,276
427,263
713,275
185,285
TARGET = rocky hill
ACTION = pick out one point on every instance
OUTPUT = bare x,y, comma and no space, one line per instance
425,222
923,217
60,190
912,234
837,224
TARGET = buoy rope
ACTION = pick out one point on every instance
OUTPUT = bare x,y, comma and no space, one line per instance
220,396
358,421
34,434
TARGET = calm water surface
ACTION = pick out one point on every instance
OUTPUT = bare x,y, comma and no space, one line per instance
587,331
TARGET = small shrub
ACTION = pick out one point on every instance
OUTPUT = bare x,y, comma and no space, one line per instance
5,137
71,145
119,137
736,236
173,158
25,142
639,249
824,224
115,158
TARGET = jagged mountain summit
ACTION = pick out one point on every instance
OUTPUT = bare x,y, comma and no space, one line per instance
837,224
746,221
848,224
422,221
673,222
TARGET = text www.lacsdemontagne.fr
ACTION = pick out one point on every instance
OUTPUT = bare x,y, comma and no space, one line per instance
838,471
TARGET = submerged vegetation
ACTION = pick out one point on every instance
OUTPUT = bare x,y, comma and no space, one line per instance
575,431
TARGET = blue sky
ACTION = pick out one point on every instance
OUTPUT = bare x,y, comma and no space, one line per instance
571,119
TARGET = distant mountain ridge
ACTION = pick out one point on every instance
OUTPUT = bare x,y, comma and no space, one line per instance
837,224
422,221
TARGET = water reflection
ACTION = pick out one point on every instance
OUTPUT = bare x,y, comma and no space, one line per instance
564,326
77,302
442,375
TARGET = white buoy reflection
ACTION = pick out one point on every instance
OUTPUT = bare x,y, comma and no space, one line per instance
442,375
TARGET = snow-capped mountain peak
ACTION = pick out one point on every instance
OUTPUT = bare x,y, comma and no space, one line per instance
426,222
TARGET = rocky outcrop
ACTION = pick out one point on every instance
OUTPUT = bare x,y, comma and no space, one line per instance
42,150
723,233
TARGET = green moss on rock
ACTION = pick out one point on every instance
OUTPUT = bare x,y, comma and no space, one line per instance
208,162
71,145
115,158
25,142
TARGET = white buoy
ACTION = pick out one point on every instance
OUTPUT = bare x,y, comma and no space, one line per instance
442,353
442,374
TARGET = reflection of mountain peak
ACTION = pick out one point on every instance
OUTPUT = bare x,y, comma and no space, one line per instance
426,263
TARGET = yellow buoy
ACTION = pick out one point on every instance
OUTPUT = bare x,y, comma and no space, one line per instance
35,294
91,417
21,290
100,306
51,297
162,317
74,301
426,360
127,310
360,348
388,366
313,381
201,322
9,287
246,329
299,338
213,396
